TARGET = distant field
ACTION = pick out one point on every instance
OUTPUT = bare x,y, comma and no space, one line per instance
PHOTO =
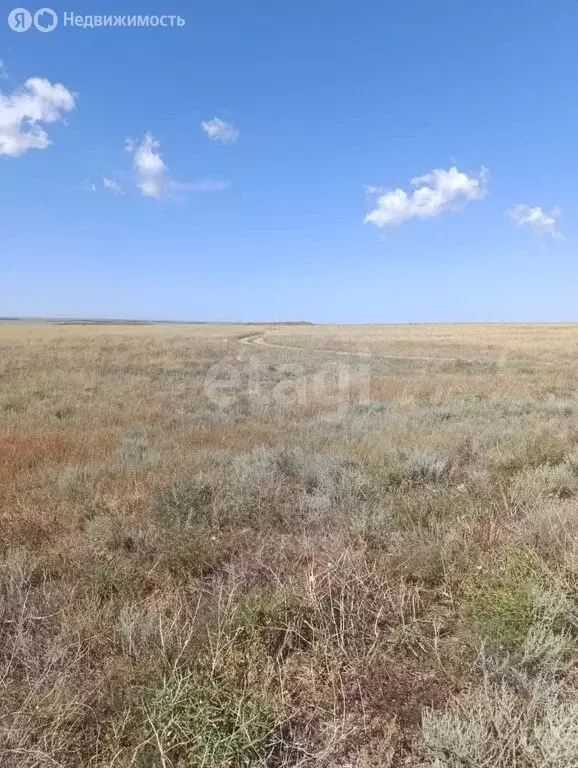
469,341
249,546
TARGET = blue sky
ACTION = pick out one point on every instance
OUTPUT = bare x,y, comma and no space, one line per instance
324,100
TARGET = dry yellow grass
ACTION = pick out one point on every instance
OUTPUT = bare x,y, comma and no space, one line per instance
288,545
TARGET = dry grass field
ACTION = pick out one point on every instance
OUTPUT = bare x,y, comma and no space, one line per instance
327,546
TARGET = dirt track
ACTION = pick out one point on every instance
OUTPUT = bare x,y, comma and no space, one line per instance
258,340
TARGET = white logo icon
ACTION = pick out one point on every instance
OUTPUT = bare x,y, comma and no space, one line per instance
19,20
45,20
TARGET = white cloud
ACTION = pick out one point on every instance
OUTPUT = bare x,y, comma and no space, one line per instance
537,219
435,192
153,178
22,111
149,165
219,130
3,73
112,185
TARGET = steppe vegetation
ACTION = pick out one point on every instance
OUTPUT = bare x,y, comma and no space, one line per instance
223,553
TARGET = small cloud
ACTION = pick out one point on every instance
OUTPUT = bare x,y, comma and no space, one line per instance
537,219
153,179
149,166
112,185
219,130
22,111
3,73
434,193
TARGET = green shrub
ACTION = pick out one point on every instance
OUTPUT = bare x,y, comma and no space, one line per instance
225,710
192,720
501,603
